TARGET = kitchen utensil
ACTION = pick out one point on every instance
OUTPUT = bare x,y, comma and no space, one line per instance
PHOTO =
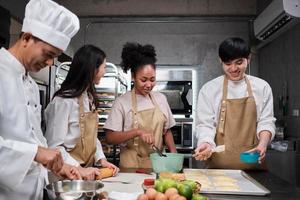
143,171
157,150
111,181
171,163
219,149
249,157
74,189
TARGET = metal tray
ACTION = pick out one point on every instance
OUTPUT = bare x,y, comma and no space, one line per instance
219,181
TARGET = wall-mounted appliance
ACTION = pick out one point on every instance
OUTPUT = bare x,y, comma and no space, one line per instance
278,17
177,86
183,134
178,94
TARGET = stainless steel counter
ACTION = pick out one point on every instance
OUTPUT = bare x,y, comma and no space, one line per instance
280,189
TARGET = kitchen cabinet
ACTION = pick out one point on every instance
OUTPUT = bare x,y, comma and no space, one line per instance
112,85
286,164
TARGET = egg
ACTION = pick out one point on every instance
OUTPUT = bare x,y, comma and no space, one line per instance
151,192
142,197
160,196
171,192
174,197
181,198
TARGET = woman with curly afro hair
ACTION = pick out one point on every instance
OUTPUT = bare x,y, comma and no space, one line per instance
141,117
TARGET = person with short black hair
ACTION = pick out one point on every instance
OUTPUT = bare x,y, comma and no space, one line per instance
72,118
235,110
141,117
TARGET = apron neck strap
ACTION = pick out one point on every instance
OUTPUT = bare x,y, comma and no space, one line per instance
225,87
249,89
80,101
134,101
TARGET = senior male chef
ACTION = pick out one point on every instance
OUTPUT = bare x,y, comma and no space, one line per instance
46,32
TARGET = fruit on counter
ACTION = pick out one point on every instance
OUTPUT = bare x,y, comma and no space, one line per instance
142,197
173,188
171,192
175,176
105,173
185,190
194,185
168,183
151,193
198,197
160,196
158,185
181,198
174,197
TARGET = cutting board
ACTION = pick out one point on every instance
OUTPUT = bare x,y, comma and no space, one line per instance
135,182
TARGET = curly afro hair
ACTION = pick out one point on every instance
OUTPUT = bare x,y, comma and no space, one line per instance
135,56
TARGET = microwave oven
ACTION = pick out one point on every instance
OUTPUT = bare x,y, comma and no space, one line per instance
178,94
183,135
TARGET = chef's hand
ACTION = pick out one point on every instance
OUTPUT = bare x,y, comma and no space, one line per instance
146,136
264,140
105,163
262,152
50,158
69,172
203,151
89,173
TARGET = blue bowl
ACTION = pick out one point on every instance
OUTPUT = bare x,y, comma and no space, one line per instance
249,158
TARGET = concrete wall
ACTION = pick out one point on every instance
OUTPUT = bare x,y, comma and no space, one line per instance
279,65
161,7
189,42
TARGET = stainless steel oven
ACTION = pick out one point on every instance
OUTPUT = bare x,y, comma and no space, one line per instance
178,94
183,134
177,85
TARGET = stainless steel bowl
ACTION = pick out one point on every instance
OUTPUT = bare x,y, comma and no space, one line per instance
74,190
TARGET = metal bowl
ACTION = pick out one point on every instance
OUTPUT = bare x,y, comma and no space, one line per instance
74,190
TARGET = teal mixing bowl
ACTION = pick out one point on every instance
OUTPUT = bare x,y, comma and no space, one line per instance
172,163
249,157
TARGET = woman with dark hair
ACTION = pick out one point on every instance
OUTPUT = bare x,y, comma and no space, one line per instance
234,110
71,116
140,118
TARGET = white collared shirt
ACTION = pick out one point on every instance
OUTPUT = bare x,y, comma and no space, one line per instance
20,128
62,119
209,102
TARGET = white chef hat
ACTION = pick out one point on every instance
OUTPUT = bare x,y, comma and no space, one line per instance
50,22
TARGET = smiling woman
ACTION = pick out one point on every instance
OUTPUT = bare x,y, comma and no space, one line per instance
140,118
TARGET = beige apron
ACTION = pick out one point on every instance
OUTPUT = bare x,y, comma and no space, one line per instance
136,152
84,150
237,130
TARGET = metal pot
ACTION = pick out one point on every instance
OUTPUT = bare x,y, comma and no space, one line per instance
74,190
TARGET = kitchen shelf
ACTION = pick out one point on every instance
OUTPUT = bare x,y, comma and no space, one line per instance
112,85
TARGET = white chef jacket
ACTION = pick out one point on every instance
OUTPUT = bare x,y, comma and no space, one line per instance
209,102
62,120
20,132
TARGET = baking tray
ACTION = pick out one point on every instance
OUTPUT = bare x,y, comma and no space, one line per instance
219,181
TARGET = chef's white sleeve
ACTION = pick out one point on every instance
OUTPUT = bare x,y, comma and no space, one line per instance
266,121
205,128
16,159
99,152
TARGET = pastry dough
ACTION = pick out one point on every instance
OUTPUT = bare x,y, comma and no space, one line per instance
105,173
